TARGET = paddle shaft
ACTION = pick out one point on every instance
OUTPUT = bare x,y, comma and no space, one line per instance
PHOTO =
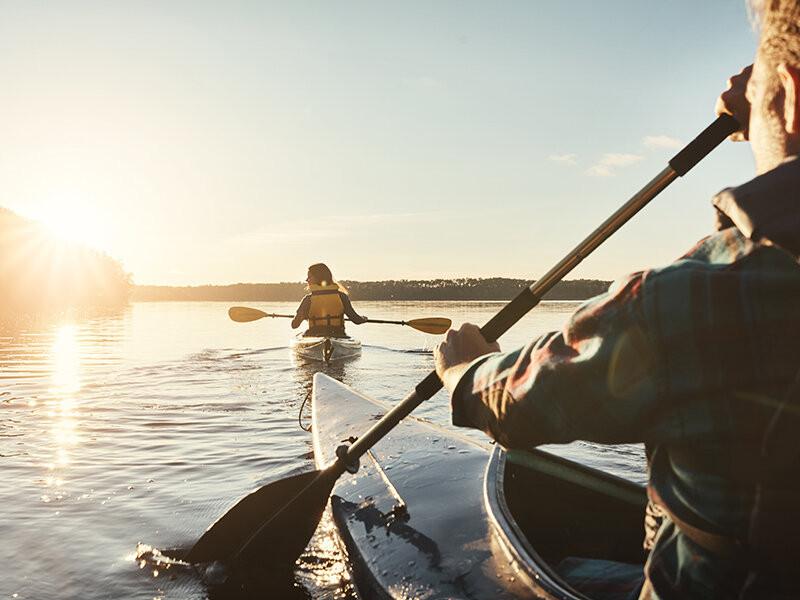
348,320
529,297
284,514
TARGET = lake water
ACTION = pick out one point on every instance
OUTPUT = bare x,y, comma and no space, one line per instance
138,430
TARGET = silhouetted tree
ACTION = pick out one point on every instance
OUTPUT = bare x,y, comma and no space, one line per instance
40,273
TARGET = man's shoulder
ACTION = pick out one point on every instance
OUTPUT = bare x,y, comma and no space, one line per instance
718,262
721,248
727,250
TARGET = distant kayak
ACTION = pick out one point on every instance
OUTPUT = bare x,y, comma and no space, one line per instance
325,349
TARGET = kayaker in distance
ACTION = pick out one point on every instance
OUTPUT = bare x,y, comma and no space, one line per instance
325,306
696,360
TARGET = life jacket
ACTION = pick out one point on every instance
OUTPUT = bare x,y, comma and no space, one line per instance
326,312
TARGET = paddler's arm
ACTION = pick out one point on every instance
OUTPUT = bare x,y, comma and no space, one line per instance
606,376
302,312
593,381
350,311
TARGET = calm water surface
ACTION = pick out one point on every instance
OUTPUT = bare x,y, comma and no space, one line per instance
138,430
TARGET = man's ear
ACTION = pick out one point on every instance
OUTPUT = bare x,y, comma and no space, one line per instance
790,81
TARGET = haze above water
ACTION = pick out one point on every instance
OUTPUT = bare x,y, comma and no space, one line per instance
145,426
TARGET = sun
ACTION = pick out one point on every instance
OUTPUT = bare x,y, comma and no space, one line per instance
72,223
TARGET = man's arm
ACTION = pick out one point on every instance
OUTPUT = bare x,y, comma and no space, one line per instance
604,377
595,380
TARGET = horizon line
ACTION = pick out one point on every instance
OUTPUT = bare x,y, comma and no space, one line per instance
350,281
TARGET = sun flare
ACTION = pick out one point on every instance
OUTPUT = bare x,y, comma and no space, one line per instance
71,223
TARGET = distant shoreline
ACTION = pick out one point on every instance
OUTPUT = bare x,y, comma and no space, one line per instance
468,289
504,300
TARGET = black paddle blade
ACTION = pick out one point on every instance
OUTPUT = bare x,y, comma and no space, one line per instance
271,526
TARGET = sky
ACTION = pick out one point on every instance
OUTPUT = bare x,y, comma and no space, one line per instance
222,142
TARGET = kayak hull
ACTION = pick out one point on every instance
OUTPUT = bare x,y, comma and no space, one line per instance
427,513
325,349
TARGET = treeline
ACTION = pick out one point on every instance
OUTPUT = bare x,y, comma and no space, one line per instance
42,274
494,288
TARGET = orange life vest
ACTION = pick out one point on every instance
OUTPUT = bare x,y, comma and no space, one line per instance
326,309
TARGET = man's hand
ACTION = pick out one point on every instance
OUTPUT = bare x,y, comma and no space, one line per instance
460,348
733,101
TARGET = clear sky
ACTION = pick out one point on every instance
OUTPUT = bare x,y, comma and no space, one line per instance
222,142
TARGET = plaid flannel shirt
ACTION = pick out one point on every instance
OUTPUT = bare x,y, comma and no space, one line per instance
689,359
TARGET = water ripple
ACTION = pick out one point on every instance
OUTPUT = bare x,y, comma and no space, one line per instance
143,428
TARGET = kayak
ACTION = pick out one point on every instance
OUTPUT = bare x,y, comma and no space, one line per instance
325,349
431,513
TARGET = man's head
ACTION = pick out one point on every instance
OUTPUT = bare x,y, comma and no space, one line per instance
774,87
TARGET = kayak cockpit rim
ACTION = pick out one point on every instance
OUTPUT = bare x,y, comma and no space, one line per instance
325,348
512,536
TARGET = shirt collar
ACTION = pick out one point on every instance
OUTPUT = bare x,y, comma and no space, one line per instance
767,208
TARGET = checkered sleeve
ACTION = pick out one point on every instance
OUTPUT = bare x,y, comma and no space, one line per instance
594,380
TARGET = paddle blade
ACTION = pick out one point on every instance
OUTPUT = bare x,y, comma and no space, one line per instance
434,325
271,525
243,314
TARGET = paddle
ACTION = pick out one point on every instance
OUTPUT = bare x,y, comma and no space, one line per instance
434,325
274,523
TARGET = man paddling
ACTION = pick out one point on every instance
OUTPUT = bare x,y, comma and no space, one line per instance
693,359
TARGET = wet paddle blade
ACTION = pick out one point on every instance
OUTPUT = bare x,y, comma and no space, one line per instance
434,325
271,526
242,314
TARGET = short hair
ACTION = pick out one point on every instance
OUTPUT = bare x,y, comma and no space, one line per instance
779,22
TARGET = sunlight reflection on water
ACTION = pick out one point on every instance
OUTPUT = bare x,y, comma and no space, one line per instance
65,384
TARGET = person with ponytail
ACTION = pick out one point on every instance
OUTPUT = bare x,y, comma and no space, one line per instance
325,306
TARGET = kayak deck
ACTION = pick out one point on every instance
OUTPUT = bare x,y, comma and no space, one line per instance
413,517
433,514
325,349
